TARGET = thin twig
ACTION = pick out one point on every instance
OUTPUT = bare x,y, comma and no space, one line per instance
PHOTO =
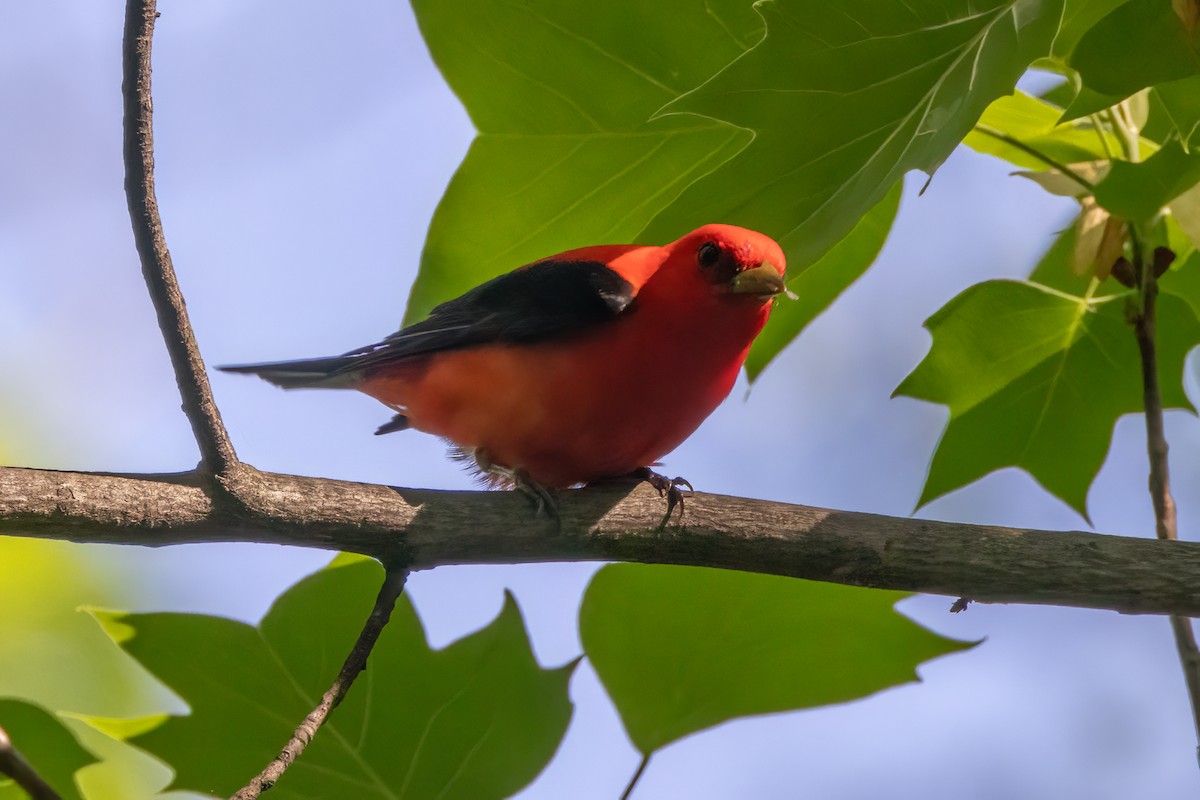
1160,481
988,130
393,585
637,776
216,451
14,765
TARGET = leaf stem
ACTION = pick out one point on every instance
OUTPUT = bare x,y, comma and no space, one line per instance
637,776
1127,134
988,130
393,585
216,450
1098,126
14,765
1160,480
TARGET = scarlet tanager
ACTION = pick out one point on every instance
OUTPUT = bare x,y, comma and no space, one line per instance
584,366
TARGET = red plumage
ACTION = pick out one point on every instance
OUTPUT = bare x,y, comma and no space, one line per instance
580,367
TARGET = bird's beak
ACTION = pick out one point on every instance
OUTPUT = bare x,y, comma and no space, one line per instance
762,281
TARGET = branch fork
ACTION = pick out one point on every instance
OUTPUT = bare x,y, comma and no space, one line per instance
219,471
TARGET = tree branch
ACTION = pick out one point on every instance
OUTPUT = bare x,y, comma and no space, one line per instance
356,662
216,451
14,765
423,528
1156,448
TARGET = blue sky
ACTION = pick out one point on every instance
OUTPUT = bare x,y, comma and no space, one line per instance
301,150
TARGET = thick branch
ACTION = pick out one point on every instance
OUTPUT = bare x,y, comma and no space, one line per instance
424,528
216,451
356,662
14,765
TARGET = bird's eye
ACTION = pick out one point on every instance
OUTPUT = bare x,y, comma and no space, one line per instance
708,254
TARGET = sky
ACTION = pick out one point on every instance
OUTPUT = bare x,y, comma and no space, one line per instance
301,150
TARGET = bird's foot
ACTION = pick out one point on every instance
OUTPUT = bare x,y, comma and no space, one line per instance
668,487
545,504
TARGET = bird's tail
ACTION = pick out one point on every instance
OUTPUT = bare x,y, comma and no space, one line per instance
335,372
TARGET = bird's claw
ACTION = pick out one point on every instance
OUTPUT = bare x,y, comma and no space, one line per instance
545,504
668,487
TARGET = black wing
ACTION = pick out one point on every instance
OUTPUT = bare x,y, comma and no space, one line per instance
543,300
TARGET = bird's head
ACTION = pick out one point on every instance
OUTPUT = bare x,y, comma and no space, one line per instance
736,262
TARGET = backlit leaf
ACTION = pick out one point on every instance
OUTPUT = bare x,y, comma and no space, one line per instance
1036,378
818,285
1035,123
478,719
681,649
844,98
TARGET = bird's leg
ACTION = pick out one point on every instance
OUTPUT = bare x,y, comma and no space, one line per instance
670,487
544,501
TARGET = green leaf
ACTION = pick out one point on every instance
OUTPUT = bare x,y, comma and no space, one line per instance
1088,101
818,285
562,94
680,649
844,98
53,655
1079,16
478,719
46,744
1035,123
1054,269
1183,281
1141,43
1185,210
1139,191
1035,378
1059,95
125,771
1181,103
46,638
1171,231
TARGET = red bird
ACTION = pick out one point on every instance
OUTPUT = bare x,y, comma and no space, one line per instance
584,366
